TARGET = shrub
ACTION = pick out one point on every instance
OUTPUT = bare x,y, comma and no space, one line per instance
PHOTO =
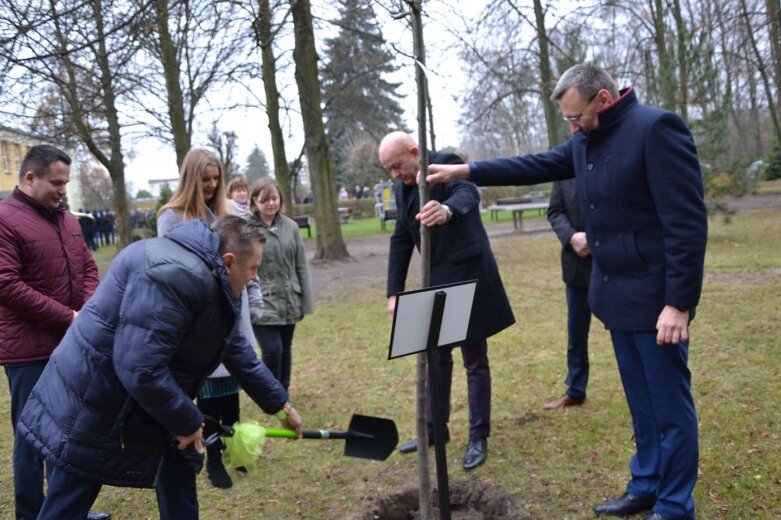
773,163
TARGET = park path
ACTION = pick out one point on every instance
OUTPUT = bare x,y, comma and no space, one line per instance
368,263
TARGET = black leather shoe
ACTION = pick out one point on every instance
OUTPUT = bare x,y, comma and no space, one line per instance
412,445
95,515
625,505
653,516
476,453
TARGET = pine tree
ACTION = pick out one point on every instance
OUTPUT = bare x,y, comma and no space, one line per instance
257,165
359,102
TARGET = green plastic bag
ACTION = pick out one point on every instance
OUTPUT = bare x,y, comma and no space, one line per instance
245,446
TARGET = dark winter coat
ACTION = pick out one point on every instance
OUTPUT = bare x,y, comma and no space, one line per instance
120,385
46,273
641,190
566,217
460,250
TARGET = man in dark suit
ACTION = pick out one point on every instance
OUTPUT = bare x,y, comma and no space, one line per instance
459,251
641,189
566,217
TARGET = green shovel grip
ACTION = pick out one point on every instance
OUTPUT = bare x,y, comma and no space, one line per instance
280,433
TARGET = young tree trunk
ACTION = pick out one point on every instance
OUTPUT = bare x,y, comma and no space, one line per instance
170,65
431,133
330,245
264,38
424,477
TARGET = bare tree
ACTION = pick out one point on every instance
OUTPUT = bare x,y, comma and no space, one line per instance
330,245
80,54
265,33
762,70
224,144
195,46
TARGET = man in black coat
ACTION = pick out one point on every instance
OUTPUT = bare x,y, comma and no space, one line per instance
566,217
459,251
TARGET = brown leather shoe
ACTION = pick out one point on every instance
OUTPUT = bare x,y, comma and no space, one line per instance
563,402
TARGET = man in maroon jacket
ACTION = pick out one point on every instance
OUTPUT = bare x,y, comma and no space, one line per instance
46,275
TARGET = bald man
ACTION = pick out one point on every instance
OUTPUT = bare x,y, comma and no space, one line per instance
459,251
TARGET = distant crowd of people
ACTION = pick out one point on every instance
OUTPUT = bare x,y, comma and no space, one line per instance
98,227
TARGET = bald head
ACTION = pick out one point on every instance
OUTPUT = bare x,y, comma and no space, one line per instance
399,154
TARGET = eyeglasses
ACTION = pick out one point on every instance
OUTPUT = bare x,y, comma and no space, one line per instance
576,119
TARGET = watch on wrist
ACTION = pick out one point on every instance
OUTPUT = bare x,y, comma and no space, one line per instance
448,212
682,309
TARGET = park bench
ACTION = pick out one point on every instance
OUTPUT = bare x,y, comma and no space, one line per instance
303,222
386,215
517,205
345,214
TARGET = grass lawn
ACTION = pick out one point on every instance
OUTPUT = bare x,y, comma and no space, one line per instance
556,464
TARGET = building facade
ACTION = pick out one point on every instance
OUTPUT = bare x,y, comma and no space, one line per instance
14,144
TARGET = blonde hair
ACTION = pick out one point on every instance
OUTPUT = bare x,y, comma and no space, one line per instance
236,184
264,187
188,197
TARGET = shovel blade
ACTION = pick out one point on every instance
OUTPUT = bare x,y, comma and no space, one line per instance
376,438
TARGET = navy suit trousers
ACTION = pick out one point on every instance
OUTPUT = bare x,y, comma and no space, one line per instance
657,384
478,381
578,325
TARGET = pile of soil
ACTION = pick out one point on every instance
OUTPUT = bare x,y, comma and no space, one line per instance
470,500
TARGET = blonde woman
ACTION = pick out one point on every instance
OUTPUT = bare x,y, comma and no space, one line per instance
283,276
201,195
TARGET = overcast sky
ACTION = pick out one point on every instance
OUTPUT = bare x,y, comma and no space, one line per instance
156,160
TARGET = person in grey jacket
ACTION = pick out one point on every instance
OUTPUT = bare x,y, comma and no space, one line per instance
283,277
566,217
114,404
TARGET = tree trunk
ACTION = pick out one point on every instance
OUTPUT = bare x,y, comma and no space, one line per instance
683,72
430,108
665,78
556,131
116,164
424,477
762,71
774,19
330,245
167,50
264,39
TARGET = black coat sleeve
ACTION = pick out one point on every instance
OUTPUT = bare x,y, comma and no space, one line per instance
558,218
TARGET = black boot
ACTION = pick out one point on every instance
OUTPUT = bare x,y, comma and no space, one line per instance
412,445
215,468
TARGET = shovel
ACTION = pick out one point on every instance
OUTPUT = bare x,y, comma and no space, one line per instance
367,437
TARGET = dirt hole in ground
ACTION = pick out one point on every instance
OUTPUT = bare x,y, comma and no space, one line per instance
470,500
